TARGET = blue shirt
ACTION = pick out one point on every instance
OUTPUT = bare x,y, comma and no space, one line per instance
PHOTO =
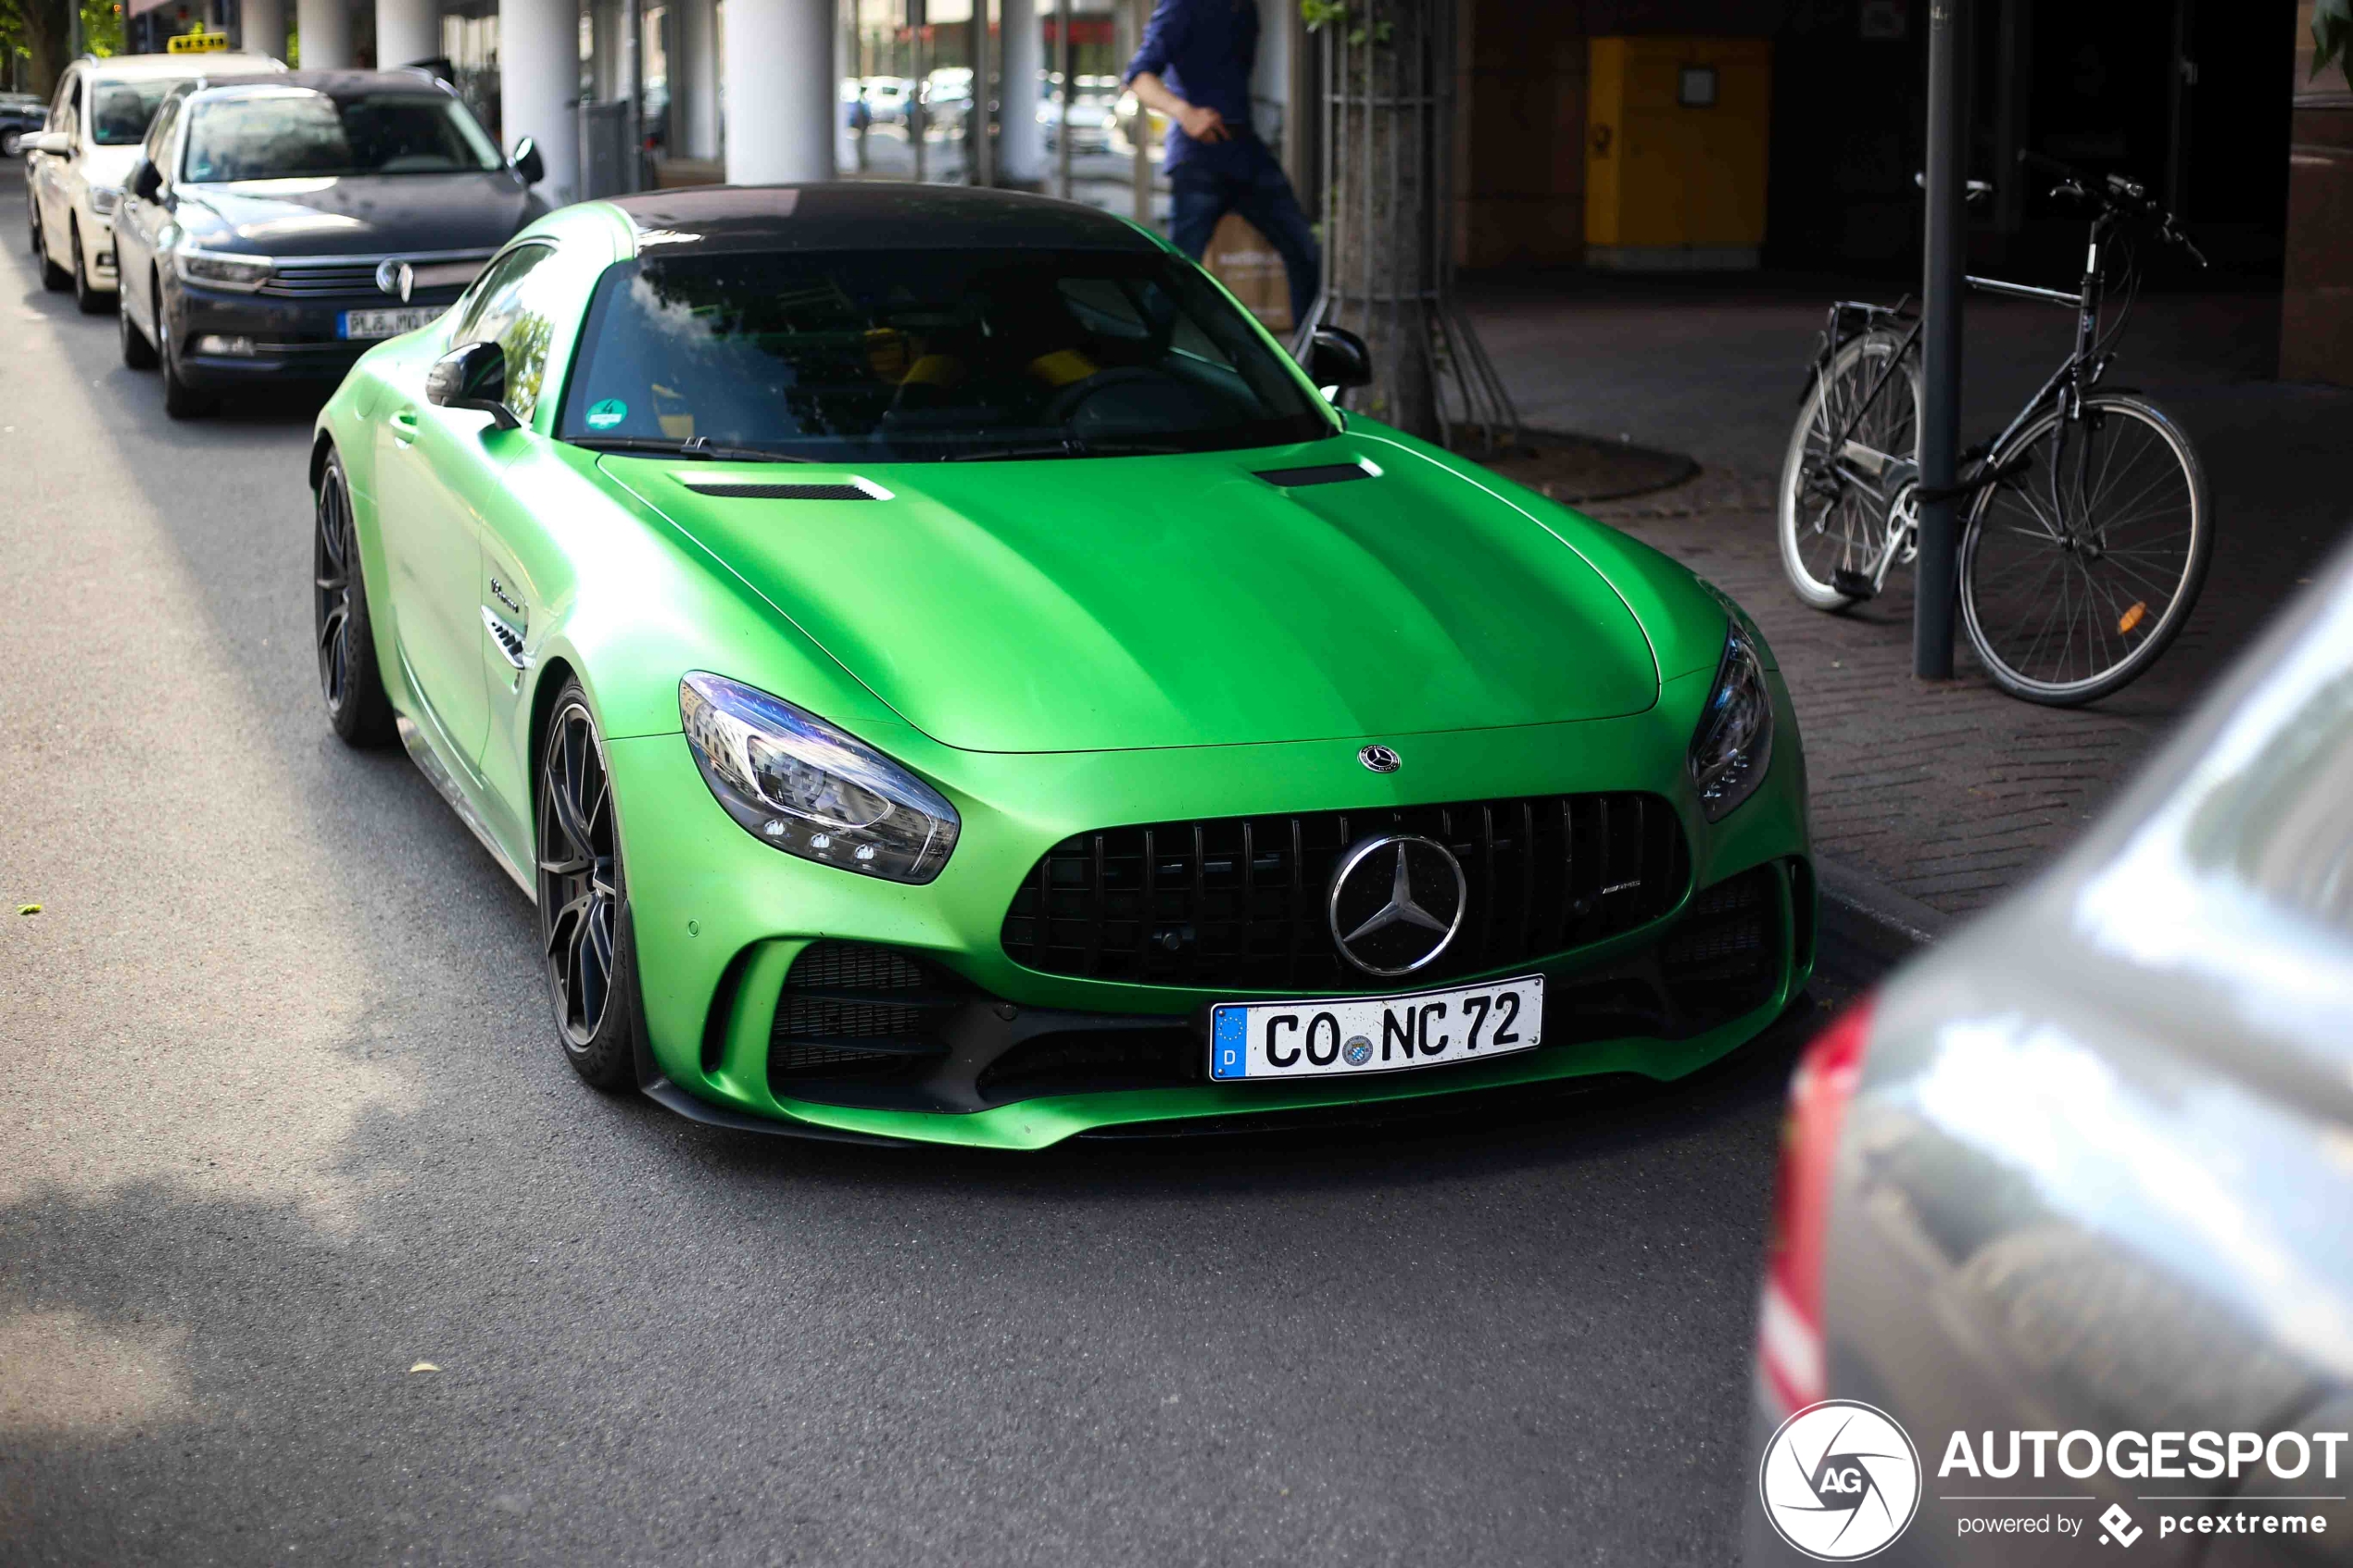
1203,50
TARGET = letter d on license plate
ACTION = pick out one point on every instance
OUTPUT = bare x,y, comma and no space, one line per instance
1375,1033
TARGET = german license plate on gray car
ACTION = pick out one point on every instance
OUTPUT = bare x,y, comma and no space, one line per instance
358,324
1375,1033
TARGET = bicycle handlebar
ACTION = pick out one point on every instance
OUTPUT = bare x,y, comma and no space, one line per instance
2115,195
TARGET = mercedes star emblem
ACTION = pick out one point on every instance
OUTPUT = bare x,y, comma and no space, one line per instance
1396,901
1381,759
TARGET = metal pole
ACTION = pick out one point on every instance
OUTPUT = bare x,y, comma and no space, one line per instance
1140,173
917,119
980,152
1940,338
1067,57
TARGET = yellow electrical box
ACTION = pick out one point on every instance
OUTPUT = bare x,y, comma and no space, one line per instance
1676,136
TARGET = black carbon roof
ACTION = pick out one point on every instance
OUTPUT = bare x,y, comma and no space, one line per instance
877,214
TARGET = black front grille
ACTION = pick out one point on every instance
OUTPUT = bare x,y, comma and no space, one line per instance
351,281
851,1009
1238,903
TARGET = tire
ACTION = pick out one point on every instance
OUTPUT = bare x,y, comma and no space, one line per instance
180,401
138,352
342,631
9,142
86,300
1850,531
2130,491
591,959
54,278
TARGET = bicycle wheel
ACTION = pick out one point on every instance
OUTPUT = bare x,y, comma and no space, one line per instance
2079,568
1819,539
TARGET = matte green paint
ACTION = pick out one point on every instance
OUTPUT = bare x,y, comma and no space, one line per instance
1056,647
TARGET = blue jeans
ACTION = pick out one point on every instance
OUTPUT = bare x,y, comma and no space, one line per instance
1265,199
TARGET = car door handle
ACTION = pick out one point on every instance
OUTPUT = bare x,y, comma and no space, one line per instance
404,425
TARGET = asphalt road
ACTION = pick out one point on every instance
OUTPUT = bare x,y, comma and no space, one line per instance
281,1117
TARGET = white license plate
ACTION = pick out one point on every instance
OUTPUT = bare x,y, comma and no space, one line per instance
1375,1033
384,323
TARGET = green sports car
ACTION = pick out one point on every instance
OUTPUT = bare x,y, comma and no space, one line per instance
943,672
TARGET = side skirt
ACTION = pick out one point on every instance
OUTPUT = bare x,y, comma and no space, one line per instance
429,762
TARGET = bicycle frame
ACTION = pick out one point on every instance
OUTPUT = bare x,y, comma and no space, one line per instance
2081,370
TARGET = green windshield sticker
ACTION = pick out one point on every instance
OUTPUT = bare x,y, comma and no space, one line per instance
604,415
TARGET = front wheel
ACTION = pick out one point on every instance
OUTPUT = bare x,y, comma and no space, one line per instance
1828,528
86,297
180,401
591,963
54,278
348,678
138,352
2083,562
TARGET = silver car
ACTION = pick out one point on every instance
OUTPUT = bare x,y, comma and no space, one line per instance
2062,1254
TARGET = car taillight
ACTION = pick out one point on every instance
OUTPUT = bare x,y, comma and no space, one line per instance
1788,1321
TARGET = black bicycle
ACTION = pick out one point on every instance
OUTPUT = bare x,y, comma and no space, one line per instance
2088,528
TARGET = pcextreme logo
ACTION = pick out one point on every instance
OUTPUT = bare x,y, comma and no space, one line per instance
1841,1481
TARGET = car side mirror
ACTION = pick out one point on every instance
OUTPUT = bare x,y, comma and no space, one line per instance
473,377
56,144
1338,358
146,181
527,161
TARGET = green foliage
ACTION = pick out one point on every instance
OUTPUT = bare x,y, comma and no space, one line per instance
1320,14
2333,37
101,27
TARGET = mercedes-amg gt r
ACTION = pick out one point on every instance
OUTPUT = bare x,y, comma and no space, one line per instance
943,672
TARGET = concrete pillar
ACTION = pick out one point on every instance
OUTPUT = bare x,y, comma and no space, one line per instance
262,27
325,27
539,87
1021,141
406,32
778,57
694,74
604,50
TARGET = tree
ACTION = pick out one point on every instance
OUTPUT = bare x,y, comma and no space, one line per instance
2333,37
40,32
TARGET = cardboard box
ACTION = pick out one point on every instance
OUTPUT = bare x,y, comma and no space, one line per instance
1242,258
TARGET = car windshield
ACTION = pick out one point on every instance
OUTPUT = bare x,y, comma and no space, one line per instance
930,355
281,132
120,111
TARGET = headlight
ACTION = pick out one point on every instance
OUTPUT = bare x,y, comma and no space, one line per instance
796,782
221,270
103,197
1733,745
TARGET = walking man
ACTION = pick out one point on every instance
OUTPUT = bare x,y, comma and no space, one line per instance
1194,67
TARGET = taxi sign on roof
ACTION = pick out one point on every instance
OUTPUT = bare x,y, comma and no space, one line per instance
198,44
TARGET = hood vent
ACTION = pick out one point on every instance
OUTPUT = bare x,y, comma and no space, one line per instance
749,492
1320,473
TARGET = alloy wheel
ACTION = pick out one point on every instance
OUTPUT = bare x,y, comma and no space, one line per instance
331,600
579,872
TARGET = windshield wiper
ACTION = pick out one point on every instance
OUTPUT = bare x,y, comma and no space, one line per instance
1071,447
697,447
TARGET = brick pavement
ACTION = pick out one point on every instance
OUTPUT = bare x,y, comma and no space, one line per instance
1948,791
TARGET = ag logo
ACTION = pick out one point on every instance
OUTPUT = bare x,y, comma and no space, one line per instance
1841,1481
